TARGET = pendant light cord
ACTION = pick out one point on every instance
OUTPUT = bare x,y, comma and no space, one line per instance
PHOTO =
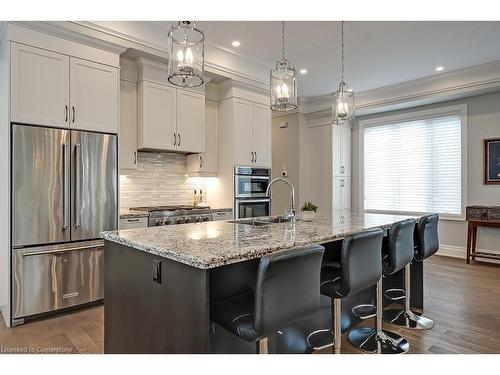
283,39
342,39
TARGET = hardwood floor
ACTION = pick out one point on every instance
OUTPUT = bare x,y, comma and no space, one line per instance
463,300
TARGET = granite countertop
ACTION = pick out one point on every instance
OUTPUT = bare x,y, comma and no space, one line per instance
135,214
216,243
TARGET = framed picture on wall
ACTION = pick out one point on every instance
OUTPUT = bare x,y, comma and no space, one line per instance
492,161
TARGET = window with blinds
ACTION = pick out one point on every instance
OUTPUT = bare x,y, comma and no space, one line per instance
414,166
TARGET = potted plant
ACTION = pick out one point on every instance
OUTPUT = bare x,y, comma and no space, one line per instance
308,211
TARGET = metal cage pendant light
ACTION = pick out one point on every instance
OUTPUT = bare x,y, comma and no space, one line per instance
283,82
186,46
343,99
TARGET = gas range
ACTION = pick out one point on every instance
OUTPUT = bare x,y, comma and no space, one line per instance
171,215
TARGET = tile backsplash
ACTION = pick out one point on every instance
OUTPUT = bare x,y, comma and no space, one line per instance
160,179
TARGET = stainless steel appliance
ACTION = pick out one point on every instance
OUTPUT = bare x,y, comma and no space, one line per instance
171,215
64,193
250,186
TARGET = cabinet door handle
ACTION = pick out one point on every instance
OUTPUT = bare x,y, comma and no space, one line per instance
135,157
74,113
179,134
66,113
253,157
256,156
175,139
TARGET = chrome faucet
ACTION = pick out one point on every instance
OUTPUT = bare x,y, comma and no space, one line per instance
289,215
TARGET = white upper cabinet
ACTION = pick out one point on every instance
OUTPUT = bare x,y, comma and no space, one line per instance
93,96
243,132
52,89
157,118
262,135
252,133
127,147
39,86
341,144
170,119
190,121
206,163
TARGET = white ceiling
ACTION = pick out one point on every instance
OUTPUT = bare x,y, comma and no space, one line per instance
376,53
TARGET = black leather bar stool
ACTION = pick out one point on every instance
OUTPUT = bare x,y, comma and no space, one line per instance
287,290
426,244
360,267
397,255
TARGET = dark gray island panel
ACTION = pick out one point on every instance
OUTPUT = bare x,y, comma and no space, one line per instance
143,316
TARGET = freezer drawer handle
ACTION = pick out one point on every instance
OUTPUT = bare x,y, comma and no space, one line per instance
61,250
78,172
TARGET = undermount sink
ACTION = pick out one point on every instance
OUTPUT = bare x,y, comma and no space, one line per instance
266,221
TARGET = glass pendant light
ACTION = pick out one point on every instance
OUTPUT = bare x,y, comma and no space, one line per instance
283,82
343,99
186,45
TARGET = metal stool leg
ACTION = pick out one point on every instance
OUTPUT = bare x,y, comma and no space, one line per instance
377,340
337,325
404,317
262,346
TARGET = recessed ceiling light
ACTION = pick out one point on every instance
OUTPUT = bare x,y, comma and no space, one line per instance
236,43
303,71
439,68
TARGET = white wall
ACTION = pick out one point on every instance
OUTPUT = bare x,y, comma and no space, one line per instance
285,155
307,152
483,122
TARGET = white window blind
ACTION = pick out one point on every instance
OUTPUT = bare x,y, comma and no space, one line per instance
414,166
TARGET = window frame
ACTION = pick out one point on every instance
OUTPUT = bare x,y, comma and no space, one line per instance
460,110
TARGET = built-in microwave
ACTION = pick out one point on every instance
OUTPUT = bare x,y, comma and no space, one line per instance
251,182
250,186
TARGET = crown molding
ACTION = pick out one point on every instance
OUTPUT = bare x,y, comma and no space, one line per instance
457,84
61,30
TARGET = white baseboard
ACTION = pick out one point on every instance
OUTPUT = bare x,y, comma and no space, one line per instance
461,252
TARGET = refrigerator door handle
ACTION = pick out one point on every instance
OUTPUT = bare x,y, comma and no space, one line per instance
65,186
78,172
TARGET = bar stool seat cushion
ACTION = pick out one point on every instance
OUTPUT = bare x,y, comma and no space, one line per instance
237,315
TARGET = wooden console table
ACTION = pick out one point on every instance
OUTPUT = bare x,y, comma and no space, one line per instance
480,216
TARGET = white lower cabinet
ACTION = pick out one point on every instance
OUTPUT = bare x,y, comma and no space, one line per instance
341,199
207,162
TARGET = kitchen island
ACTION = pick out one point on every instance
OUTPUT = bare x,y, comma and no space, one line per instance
160,281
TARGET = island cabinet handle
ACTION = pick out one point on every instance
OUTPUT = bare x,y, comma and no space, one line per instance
201,161
175,139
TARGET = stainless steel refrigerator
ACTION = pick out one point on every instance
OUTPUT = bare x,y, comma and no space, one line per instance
64,193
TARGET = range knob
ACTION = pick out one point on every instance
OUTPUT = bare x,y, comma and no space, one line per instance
186,219
167,221
206,218
158,222
180,220
197,219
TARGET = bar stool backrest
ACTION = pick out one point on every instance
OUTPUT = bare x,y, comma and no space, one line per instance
361,261
400,247
427,236
287,288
